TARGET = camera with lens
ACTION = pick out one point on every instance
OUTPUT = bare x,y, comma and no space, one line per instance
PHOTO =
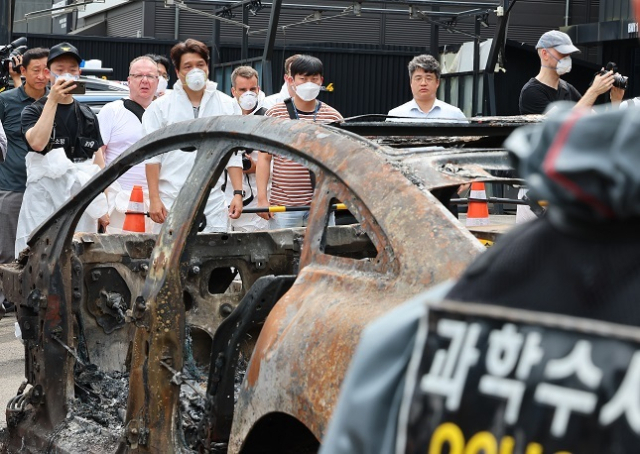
619,80
246,162
7,52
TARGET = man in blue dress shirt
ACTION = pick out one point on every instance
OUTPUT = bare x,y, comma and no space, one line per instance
424,72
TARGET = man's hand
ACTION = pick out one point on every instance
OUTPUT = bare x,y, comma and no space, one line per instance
59,92
104,222
157,211
264,204
602,83
14,70
235,209
263,173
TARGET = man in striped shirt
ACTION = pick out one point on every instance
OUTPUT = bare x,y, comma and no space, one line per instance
291,182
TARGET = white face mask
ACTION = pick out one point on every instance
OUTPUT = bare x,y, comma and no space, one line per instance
65,76
162,86
248,100
564,64
308,91
196,79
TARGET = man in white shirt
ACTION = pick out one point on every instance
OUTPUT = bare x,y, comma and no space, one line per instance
121,126
121,120
424,74
193,96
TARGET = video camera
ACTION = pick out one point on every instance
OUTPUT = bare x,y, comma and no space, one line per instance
619,80
7,52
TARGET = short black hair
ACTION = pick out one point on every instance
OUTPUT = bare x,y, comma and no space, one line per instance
306,65
34,54
160,59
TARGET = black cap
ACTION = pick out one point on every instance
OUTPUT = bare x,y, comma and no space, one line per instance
63,49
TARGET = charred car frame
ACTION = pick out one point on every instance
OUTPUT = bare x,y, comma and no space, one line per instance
225,342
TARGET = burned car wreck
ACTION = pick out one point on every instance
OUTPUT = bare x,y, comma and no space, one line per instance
237,342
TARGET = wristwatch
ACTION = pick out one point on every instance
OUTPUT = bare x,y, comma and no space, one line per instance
238,192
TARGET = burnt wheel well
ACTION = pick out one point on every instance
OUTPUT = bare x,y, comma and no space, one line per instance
279,433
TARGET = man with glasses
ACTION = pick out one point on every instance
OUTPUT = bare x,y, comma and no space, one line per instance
121,126
424,77
13,171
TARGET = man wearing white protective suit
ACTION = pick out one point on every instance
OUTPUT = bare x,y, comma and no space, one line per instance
193,96
121,127
246,90
64,141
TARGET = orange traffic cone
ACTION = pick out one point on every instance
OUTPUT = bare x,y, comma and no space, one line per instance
478,212
134,217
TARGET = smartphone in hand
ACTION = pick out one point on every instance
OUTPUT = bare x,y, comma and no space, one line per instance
79,88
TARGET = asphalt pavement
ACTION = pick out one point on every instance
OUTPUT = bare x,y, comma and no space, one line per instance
11,364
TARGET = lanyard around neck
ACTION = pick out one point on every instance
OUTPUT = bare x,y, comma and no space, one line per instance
315,112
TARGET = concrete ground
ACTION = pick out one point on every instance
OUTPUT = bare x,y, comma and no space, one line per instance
11,364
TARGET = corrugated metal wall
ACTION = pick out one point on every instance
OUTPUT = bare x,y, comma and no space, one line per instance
615,9
165,19
369,28
128,23
27,6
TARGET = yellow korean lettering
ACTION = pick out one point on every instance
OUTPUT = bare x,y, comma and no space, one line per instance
534,448
482,442
450,434
506,445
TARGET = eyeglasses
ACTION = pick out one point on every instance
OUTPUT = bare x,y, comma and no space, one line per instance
139,77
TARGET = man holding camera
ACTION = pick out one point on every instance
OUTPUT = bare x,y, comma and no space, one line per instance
13,171
65,137
555,49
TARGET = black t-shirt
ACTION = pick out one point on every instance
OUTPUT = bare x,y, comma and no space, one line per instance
13,171
65,132
536,96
